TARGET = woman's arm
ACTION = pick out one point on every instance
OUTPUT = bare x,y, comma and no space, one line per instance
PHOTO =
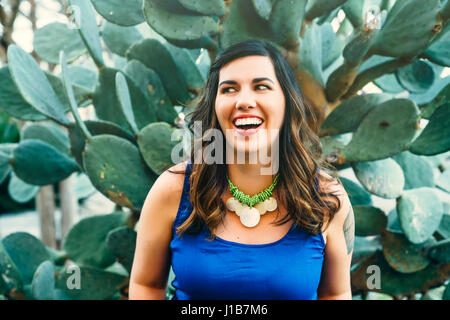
151,262
335,280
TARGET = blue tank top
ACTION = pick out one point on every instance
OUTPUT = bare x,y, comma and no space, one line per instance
287,269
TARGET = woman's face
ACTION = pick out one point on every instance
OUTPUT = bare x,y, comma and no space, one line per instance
248,86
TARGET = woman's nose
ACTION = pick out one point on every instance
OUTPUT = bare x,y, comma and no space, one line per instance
245,101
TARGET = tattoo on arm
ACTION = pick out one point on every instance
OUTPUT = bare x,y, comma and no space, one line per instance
349,230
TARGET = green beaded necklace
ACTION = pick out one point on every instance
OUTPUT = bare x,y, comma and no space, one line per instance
248,200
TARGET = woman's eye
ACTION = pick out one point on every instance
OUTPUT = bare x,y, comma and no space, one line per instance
257,87
225,90
261,86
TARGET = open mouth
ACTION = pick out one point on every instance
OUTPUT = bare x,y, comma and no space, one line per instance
247,126
247,129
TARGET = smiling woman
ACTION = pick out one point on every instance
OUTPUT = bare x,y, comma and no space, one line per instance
244,96
281,229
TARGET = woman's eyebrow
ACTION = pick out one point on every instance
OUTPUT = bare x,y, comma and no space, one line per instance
261,79
253,81
227,82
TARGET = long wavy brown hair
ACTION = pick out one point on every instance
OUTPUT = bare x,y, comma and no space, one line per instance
299,153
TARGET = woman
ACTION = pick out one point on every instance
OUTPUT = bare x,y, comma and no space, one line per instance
294,241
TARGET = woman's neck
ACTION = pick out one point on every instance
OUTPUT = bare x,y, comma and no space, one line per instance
251,179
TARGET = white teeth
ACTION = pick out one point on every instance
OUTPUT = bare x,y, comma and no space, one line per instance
245,121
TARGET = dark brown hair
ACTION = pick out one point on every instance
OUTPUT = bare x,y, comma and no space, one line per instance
299,153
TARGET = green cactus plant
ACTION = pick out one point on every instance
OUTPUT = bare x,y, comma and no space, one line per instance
99,248
164,49
122,242
43,284
15,194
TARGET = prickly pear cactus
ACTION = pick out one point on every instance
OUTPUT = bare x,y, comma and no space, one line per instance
395,140
94,263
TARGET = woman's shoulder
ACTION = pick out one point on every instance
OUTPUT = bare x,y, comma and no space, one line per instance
331,185
328,183
172,179
167,190
175,169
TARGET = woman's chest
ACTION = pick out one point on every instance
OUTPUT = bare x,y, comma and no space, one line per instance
286,269
266,231
232,229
